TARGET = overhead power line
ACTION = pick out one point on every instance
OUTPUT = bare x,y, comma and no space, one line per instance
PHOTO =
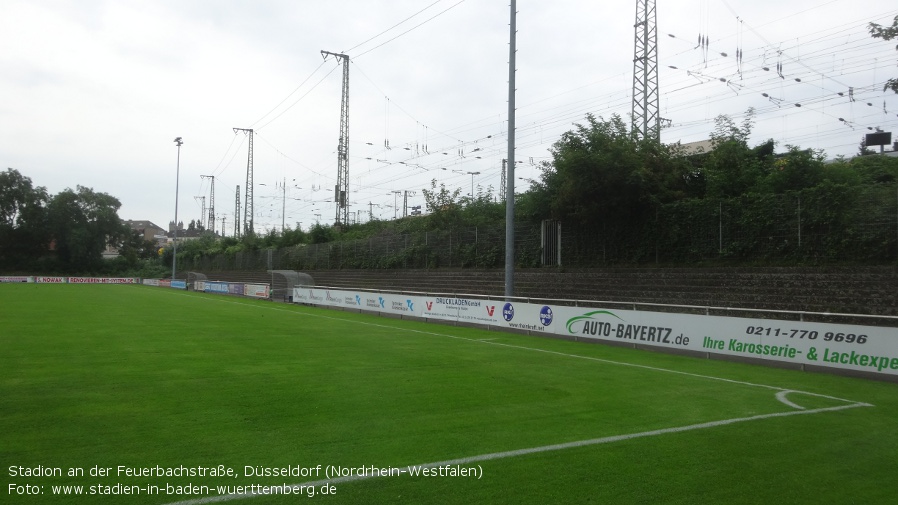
288,96
390,28
410,29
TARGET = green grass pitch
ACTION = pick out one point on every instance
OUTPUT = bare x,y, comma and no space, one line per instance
109,380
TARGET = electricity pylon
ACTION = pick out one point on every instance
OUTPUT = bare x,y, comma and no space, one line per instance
341,191
237,212
211,219
248,201
202,200
645,114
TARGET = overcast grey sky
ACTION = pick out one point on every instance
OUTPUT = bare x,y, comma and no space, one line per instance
94,92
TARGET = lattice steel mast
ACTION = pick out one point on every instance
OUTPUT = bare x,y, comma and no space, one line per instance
211,219
237,212
341,191
248,201
645,114
202,200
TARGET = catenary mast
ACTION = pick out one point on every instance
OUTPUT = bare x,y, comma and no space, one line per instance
341,191
645,111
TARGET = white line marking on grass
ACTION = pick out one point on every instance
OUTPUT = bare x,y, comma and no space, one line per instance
781,396
537,450
534,349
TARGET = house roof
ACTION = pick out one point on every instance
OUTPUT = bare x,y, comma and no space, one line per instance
701,146
137,225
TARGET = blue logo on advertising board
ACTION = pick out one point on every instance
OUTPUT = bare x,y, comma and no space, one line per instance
546,316
508,312
358,300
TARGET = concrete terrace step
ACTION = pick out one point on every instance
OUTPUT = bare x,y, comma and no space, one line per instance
862,289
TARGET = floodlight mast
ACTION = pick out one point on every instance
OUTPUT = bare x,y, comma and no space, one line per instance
341,191
174,261
509,190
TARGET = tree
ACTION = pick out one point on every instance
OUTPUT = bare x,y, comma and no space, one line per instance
886,33
875,169
733,168
320,234
797,169
444,206
133,247
600,171
83,223
863,150
23,219
482,209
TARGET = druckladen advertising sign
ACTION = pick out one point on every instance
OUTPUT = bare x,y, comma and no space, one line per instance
468,310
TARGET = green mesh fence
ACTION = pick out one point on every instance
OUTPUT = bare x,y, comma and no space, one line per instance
825,224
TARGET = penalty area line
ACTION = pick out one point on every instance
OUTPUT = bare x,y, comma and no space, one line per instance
527,451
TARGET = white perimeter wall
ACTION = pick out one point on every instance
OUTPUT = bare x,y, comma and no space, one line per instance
862,348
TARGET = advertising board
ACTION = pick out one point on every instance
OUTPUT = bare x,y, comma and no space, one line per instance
216,287
369,301
50,280
102,280
853,347
256,290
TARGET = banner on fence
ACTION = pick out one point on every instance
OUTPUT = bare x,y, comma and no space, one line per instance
16,279
854,347
235,288
151,282
179,284
50,280
388,303
255,290
102,280
199,285
216,287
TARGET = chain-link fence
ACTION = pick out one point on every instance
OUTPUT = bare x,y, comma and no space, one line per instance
825,224
475,247
822,224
